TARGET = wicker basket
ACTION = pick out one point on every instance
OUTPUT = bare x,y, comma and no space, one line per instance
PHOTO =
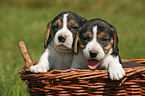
74,82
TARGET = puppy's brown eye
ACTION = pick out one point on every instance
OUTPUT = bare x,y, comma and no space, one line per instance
74,28
104,40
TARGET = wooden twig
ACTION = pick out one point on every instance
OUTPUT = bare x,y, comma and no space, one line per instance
25,54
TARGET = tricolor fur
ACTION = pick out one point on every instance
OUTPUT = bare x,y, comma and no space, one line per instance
96,44
59,41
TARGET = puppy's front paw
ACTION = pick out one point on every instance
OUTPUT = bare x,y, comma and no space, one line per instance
37,68
116,72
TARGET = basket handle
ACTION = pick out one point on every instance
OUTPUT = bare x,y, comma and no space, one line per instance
25,54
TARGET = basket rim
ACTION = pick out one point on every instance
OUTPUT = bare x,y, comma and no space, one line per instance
136,69
79,73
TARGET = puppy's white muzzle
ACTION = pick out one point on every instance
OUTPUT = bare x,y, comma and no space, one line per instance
93,50
63,38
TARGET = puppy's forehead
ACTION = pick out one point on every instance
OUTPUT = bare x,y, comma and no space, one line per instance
102,26
58,17
70,16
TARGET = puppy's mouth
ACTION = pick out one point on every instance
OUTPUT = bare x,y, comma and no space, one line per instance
63,48
63,45
92,63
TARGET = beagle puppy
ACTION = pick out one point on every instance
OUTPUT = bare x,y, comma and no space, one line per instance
97,43
59,40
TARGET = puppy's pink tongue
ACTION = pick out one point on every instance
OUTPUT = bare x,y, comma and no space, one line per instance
92,63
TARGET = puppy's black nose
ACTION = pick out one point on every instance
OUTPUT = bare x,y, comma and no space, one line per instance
61,39
93,54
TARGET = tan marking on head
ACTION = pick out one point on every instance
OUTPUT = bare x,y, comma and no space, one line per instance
59,23
72,23
109,46
101,35
90,34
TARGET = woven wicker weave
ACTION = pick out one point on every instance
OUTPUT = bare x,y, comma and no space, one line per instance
74,82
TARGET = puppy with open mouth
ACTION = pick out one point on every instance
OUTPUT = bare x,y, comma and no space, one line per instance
96,46
60,33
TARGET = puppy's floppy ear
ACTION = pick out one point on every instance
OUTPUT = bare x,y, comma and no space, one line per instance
115,41
48,36
76,43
